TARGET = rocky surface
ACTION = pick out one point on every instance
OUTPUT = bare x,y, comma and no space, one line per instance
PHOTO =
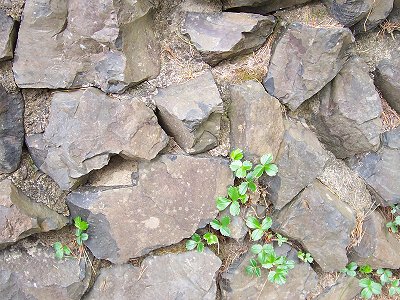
167,203
387,76
11,129
259,6
302,52
317,207
191,113
256,120
7,36
220,36
188,275
376,15
86,127
33,273
67,45
346,288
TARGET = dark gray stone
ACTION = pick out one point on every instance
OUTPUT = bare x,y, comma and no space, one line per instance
346,288
259,6
379,11
8,35
387,80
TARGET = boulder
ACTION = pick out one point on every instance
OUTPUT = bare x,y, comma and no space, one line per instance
259,6
321,222
171,197
301,159
378,13
191,113
394,15
387,80
11,130
69,44
21,217
378,248
8,34
188,275
344,130
219,36
346,288
256,120
304,60
86,127
34,273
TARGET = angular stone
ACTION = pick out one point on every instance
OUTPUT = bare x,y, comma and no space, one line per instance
8,34
21,217
304,60
191,113
301,159
34,273
379,248
320,222
256,120
219,36
394,16
259,6
387,80
11,130
346,288
68,44
188,275
376,15
86,127
174,195
236,284
344,130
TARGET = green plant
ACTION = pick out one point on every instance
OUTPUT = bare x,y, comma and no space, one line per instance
210,238
370,288
81,227
61,250
350,269
394,287
395,208
233,201
366,269
195,242
393,226
281,239
305,257
385,275
222,225
259,228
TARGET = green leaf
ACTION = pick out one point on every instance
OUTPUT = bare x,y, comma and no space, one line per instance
257,272
225,221
66,250
233,193
79,240
266,223
281,239
365,282
385,275
235,208
352,266
240,173
252,186
271,169
277,277
196,237
392,226
80,224
235,165
200,247
59,254
211,238
257,234
215,224
397,220
243,187
244,198
376,288
84,236
255,249
268,248
225,231
253,223
266,159
366,269
258,171
57,246
191,244
253,262
236,154
222,203
247,165
366,293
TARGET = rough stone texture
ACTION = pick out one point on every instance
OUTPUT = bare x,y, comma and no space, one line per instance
220,36
394,16
320,222
256,120
379,12
236,285
188,275
86,127
346,288
259,6
173,196
66,44
378,247
304,60
191,113
344,130
33,273
387,80
300,160
8,34
11,130
21,217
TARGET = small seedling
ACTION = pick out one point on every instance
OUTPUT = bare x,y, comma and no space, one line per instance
395,208
253,269
350,269
195,242
370,288
61,250
266,166
210,238
385,275
393,226
259,229
222,225
394,287
233,201
366,269
248,184
236,154
262,251
281,239
305,257
81,227
241,168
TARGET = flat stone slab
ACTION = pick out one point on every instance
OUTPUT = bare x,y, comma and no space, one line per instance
8,34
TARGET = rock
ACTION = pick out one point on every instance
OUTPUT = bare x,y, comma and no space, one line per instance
236,284
376,15
191,113
304,60
11,130
21,217
8,34
259,6
346,288
174,195
318,208
219,36
74,44
344,130
188,275
378,247
394,16
387,80
86,127
34,273
256,120
300,160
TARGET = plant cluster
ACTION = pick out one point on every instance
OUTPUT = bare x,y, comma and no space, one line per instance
395,224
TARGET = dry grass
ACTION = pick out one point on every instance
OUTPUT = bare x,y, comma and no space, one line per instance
388,27
325,280
390,118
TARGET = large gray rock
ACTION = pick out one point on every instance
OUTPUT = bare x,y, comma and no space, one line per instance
387,80
191,113
172,197
378,248
379,11
344,130
301,159
346,288
188,275
321,222
8,34
86,127
11,130
21,217
33,273
259,6
304,60
220,36
256,120
66,44
236,284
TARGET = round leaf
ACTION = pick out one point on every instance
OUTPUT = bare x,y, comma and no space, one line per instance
252,222
271,169
257,234
266,159
235,208
222,203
